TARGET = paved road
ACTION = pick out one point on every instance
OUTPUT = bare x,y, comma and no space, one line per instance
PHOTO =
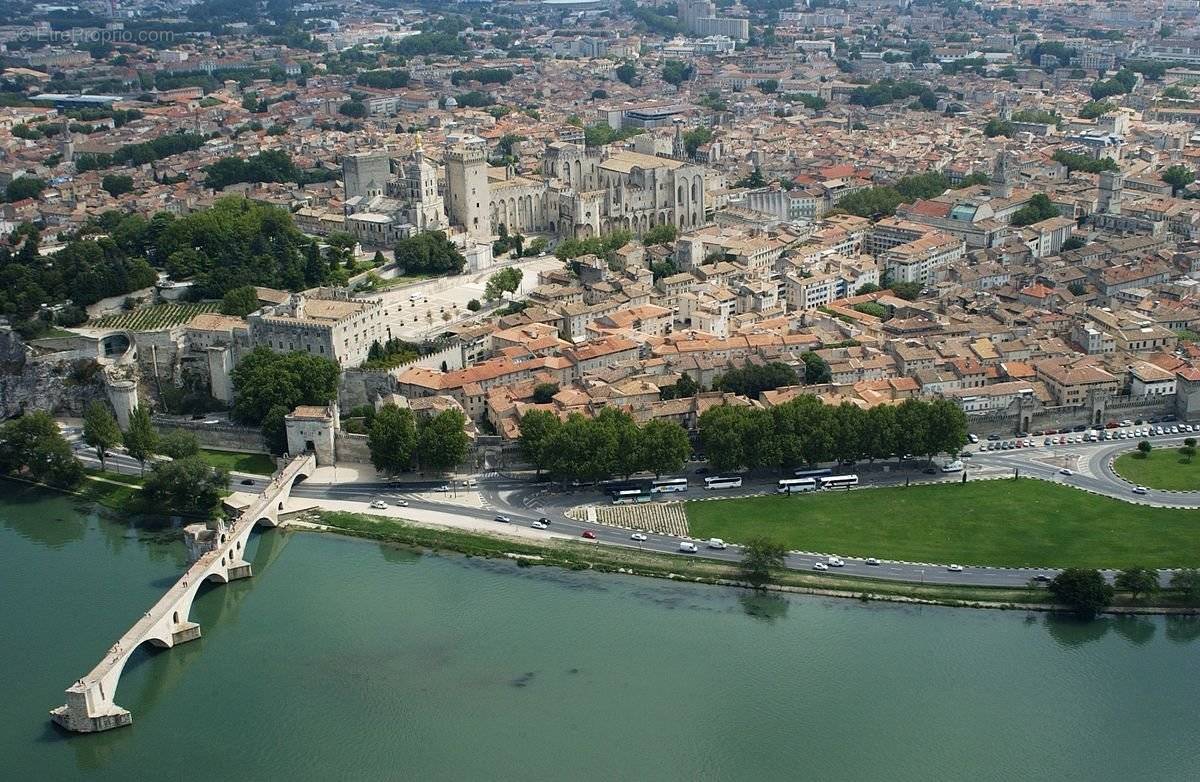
524,501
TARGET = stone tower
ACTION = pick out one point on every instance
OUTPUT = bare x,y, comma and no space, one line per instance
678,145
1002,176
467,188
366,173
1112,183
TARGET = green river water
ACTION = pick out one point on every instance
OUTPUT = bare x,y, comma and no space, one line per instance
343,659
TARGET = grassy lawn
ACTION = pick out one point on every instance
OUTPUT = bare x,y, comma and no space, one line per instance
256,463
1025,523
1164,468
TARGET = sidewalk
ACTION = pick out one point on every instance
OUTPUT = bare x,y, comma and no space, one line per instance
428,518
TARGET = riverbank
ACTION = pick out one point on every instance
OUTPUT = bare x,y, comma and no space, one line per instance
573,555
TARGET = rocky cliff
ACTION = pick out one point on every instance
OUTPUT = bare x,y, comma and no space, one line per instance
29,382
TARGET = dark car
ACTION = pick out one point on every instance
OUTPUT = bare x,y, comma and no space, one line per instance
247,482
1041,577
587,533
544,520
930,471
701,471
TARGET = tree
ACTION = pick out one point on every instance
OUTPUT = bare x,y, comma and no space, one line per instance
721,435
544,392
186,485
179,444
866,288
1187,583
240,301
816,369
676,72
141,440
1096,108
908,291
442,441
474,306
267,386
538,428
1144,448
682,388
1084,591
117,184
32,445
1073,243
1039,208
100,430
752,379
626,72
753,180
998,127
502,282
1178,177
664,446
1188,452
768,86
760,556
428,253
392,439
353,108
24,187
660,234
1137,581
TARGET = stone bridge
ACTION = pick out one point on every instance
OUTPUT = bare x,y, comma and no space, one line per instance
91,705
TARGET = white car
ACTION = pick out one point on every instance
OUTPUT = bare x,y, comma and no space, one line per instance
1066,471
442,488
871,561
503,519
834,562
820,566
401,503
954,568
378,504
1140,490
639,537
538,525
687,547
717,543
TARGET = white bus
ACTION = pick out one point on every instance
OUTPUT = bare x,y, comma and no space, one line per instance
723,482
795,485
630,496
839,481
669,484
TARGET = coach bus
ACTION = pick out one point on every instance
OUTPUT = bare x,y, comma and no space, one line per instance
723,482
796,485
630,496
664,485
839,481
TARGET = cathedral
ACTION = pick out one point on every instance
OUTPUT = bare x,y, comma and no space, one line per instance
580,192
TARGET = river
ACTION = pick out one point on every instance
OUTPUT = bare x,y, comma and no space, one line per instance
346,659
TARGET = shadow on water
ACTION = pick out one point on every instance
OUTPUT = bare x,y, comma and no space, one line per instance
1138,630
1070,631
1182,629
765,606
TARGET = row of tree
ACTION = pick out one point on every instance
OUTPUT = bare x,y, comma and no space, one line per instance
804,431
400,441
592,449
